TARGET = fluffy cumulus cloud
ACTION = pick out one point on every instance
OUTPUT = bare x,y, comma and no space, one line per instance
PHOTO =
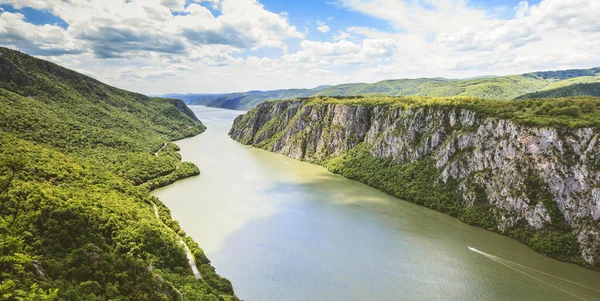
531,24
452,38
322,27
118,28
320,72
343,52
236,45
35,39
103,36
242,24
149,72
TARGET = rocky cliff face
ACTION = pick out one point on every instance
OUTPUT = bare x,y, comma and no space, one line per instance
539,185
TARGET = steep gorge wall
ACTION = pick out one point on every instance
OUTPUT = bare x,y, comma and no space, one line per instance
538,185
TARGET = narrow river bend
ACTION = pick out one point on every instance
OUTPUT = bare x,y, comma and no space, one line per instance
281,229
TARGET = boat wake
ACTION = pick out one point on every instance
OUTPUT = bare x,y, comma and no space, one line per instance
507,263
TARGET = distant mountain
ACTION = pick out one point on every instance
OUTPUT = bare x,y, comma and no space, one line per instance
488,87
591,89
244,100
564,74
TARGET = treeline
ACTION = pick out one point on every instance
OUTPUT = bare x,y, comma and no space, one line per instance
583,89
568,112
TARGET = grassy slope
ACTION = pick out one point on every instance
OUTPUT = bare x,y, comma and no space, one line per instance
77,161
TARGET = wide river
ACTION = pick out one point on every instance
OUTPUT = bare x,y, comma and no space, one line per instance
281,229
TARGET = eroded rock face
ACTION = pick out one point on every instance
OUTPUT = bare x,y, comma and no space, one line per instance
502,158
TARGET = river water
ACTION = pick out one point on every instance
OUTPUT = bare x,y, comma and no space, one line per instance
281,229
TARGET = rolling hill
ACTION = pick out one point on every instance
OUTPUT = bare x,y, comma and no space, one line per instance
575,89
590,89
497,87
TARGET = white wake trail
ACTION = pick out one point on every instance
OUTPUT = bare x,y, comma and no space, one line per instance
499,260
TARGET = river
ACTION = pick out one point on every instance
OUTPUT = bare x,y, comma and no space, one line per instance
281,229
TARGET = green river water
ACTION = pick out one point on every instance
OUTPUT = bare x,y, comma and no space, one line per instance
281,229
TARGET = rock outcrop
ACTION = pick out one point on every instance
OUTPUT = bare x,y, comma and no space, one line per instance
539,185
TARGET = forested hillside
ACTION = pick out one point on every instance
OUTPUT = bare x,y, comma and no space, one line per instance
77,161
495,87
591,89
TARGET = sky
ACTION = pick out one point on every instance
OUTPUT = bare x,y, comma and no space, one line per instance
219,46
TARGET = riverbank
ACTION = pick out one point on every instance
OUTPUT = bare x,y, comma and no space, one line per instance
177,171
528,174
282,229
204,271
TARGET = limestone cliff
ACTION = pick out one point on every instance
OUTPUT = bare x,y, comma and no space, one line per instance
537,184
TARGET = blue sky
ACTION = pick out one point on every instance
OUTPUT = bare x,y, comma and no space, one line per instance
37,17
213,46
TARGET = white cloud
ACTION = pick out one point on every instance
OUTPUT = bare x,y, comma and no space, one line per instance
216,45
342,35
343,52
264,62
214,55
214,4
387,70
176,5
322,27
320,72
36,39
119,28
531,24
243,24
147,72
420,16
451,38
180,67
105,36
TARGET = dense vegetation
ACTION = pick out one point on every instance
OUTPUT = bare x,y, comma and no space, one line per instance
77,161
500,87
590,89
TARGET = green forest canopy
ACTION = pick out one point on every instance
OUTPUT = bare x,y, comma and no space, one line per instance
77,161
